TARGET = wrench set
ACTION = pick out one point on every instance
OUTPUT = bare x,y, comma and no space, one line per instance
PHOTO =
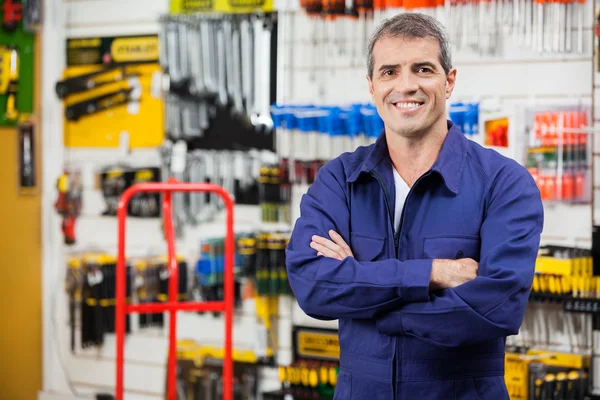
236,171
216,60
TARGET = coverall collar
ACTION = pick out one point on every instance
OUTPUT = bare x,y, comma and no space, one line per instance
449,164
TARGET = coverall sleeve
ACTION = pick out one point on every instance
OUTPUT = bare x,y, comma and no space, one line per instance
328,289
493,304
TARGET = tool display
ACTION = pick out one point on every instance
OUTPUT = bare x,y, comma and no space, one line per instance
466,116
200,375
563,300
315,367
152,283
307,137
236,171
216,60
114,180
111,90
90,283
542,375
210,272
559,159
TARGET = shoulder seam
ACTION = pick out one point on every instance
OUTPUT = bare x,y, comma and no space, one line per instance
479,168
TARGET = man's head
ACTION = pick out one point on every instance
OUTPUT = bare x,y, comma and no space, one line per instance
410,74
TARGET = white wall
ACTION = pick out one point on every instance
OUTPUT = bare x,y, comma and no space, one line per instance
511,78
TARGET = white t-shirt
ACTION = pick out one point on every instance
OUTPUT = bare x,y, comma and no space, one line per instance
402,190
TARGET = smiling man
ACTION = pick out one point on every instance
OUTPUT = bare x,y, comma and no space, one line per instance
422,245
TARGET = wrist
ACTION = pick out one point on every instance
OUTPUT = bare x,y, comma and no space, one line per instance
438,274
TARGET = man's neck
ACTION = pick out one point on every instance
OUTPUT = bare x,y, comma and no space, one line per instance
412,157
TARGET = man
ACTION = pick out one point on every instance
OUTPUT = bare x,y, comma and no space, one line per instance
422,245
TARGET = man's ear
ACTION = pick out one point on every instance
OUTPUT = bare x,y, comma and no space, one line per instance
371,90
450,81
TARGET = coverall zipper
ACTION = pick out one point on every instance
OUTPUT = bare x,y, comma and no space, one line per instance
396,235
386,196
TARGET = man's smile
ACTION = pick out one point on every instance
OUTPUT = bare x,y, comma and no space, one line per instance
408,107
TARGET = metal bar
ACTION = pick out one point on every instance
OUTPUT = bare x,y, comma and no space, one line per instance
120,293
173,291
167,188
148,308
228,295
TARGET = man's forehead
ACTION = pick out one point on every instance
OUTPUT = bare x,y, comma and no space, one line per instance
406,49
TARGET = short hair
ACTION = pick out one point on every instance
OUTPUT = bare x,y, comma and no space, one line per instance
412,25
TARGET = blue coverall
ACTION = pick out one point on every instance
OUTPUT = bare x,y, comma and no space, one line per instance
397,339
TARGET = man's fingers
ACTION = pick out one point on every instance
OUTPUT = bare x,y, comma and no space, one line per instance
326,251
328,244
339,240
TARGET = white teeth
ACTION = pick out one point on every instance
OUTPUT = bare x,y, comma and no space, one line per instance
407,105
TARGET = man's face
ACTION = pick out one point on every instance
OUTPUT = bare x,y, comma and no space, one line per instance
409,86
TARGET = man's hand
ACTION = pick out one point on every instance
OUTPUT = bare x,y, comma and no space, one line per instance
447,274
335,248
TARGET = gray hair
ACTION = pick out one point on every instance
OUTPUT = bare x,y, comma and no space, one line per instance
412,25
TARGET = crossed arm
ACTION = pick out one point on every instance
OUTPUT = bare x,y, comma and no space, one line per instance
445,274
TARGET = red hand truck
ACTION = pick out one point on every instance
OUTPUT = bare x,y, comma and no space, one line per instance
172,306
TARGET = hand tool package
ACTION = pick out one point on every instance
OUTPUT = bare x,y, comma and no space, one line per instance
90,283
112,92
114,180
69,203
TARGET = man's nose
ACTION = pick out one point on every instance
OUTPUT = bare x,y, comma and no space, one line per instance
406,82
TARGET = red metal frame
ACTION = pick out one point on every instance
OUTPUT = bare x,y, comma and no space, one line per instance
172,306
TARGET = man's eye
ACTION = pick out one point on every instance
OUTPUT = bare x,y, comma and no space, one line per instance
425,70
388,72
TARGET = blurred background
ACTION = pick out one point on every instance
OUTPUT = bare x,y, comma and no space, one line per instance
255,96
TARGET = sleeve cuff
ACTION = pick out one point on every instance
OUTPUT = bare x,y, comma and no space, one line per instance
415,282
391,324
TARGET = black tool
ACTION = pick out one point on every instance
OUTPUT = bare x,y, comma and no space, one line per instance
100,103
81,83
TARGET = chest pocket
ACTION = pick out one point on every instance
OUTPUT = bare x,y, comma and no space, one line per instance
365,247
452,247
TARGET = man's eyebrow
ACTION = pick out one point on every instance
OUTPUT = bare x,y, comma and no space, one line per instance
388,66
425,64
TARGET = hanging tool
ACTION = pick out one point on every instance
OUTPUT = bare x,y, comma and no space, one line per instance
81,83
68,205
263,120
103,102
32,14
13,13
580,15
13,85
221,59
236,65
247,44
